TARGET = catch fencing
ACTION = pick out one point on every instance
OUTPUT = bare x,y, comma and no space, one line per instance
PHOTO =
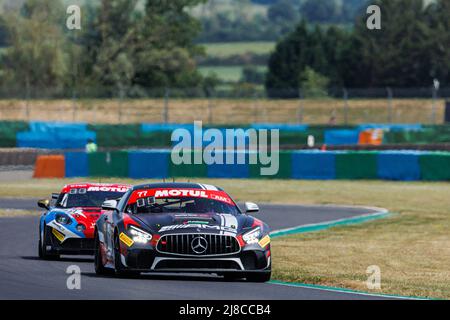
234,105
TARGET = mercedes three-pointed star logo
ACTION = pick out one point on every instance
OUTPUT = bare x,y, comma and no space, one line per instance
199,245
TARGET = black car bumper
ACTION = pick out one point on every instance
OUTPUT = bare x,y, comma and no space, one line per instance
148,260
72,246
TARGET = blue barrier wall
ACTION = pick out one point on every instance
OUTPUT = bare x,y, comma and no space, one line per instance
52,127
341,137
55,135
315,165
229,170
76,164
391,127
148,164
386,165
402,166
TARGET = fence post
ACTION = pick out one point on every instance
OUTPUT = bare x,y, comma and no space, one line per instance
166,105
121,95
255,107
74,105
345,106
210,114
433,105
390,95
27,103
300,106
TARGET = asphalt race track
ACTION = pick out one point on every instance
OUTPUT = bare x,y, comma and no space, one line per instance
24,276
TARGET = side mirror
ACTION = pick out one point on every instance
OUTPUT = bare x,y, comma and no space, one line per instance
55,196
109,205
44,204
251,207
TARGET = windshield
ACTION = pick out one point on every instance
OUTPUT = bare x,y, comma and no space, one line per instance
180,205
85,198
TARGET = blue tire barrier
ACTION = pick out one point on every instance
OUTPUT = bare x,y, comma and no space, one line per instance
402,166
316,165
341,137
148,164
229,170
76,164
391,127
313,165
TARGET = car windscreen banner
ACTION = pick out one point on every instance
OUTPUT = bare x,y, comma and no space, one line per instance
83,188
180,193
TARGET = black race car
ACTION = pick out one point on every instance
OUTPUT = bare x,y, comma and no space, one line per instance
181,227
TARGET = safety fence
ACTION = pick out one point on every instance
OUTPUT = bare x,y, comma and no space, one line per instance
317,165
57,135
225,104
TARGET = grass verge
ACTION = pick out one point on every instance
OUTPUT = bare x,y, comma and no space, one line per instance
412,247
18,213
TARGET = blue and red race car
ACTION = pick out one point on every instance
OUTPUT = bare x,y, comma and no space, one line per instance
67,226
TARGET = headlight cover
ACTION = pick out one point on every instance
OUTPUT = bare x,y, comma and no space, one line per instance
139,235
63,218
252,236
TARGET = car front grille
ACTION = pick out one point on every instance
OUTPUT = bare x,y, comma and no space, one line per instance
194,244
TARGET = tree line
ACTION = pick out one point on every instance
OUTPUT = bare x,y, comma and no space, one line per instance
120,47
410,50
280,18
123,48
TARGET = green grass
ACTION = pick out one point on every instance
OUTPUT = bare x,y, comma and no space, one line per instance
227,49
412,247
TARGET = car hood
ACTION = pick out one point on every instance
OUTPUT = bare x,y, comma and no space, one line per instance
195,222
84,214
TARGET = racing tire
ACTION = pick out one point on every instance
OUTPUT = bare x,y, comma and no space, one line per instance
43,253
259,277
98,261
118,267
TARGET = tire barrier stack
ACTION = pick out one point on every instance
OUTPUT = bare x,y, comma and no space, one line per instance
307,165
108,136
55,135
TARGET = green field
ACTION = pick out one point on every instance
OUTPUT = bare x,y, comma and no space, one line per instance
412,247
227,49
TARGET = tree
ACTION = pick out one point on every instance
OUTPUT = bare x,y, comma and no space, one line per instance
35,58
130,48
410,50
438,18
399,53
313,84
302,48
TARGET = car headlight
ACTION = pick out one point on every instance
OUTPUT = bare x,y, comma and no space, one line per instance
63,218
252,236
138,235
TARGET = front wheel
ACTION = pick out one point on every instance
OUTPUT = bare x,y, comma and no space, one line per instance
119,268
259,277
98,259
43,241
